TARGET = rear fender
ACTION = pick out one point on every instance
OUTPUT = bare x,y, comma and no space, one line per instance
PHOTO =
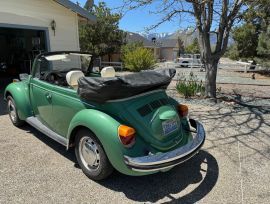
106,130
20,93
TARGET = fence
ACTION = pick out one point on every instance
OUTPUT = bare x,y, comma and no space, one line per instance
239,66
116,65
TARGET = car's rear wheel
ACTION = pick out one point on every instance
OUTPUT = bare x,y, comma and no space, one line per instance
91,156
13,113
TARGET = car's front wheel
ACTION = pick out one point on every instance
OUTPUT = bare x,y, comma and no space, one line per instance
13,113
91,156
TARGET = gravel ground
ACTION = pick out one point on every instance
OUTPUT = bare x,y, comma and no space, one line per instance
232,167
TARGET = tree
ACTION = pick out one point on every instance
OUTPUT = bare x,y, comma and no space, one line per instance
259,15
193,48
246,39
219,15
252,38
264,44
180,45
104,37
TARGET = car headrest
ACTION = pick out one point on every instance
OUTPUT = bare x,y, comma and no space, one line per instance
72,78
107,72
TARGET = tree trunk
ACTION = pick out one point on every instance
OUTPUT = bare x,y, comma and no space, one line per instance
210,78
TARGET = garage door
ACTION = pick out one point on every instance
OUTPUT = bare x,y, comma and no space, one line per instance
19,48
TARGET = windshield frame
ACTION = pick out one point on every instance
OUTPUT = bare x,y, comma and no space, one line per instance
47,54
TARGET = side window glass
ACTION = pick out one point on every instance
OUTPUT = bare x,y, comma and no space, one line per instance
42,68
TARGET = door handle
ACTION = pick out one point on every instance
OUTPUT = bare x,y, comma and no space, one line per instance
48,96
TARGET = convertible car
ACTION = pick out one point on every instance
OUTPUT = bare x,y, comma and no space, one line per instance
127,123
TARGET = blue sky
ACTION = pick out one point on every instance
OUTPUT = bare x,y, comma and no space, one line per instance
138,20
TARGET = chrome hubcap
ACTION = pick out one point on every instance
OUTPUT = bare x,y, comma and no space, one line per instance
89,153
12,110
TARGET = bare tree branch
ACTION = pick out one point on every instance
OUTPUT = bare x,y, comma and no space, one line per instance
206,13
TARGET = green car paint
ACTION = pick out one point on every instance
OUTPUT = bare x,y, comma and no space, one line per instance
20,92
61,110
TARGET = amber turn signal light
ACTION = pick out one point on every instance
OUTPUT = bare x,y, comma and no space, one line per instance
126,135
182,110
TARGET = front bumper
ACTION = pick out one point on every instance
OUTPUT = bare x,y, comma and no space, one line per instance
170,159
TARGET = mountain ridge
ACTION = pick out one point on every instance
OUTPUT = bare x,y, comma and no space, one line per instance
186,35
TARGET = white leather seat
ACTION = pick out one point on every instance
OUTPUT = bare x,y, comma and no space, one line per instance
72,78
107,72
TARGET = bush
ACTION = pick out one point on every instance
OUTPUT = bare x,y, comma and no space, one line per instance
190,86
232,53
129,47
138,59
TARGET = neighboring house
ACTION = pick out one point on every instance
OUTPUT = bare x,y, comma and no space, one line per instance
135,37
130,38
169,49
30,27
163,49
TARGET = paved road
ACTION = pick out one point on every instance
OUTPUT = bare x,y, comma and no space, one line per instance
233,167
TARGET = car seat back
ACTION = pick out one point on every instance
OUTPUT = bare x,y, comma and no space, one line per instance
72,78
107,72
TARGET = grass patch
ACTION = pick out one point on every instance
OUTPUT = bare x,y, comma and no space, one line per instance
190,86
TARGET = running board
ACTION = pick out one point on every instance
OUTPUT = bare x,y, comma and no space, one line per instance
33,121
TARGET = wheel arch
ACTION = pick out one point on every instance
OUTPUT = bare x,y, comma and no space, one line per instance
19,91
105,128
7,93
71,141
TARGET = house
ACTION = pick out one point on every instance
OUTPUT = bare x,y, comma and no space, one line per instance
135,37
169,49
30,27
130,38
163,49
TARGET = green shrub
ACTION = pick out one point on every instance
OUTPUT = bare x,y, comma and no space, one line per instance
232,53
138,59
130,47
190,86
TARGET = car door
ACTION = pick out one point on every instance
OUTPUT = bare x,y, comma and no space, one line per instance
41,101
65,104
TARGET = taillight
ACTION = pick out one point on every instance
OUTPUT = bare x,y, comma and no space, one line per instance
126,135
182,110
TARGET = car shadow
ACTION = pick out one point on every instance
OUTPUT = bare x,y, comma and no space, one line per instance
202,170
57,147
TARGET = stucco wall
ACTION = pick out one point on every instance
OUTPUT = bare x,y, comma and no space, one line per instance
166,53
40,13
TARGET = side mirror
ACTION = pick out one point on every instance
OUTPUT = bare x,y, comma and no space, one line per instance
23,76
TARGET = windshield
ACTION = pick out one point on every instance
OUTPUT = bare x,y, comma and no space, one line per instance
63,62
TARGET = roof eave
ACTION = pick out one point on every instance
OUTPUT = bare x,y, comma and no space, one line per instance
77,9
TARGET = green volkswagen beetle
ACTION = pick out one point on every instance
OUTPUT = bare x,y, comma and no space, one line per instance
127,123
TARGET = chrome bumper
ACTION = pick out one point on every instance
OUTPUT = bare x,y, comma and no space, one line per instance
169,159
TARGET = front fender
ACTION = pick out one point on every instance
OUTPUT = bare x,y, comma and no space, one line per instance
106,130
20,93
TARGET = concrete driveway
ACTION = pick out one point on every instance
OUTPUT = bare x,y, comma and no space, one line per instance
233,166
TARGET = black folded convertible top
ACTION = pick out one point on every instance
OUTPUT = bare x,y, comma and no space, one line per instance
98,89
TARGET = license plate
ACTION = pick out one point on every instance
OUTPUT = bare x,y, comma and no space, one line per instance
169,126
